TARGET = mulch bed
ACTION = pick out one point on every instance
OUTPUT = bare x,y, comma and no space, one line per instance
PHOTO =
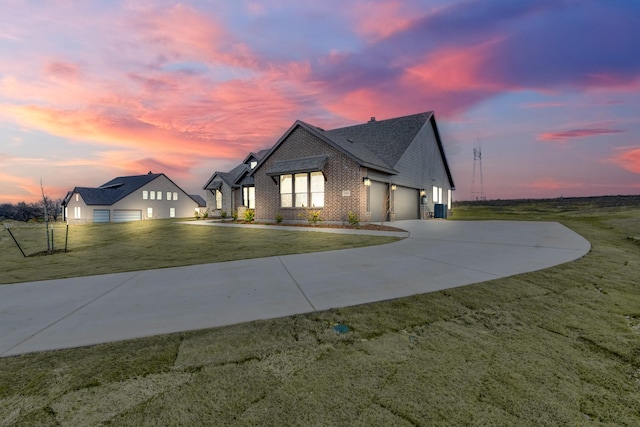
370,227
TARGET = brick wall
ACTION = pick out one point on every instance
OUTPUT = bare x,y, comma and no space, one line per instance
343,190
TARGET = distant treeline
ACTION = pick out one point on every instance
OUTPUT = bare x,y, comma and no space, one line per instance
31,211
574,202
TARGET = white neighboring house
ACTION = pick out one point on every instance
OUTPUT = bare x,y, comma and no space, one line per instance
130,198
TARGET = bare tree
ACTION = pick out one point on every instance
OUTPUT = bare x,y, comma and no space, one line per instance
45,204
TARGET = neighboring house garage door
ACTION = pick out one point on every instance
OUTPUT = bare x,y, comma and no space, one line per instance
101,215
122,215
406,203
378,201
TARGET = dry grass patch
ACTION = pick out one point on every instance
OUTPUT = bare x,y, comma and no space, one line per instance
559,346
112,248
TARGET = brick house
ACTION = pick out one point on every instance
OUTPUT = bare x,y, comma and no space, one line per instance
130,198
228,191
381,171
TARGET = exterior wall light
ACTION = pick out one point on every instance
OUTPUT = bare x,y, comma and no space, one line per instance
366,181
422,192
393,187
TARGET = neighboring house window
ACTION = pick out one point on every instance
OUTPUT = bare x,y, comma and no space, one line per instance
159,195
145,195
296,190
175,196
76,212
168,195
435,195
249,197
218,199
77,197
149,212
440,194
152,195
172,212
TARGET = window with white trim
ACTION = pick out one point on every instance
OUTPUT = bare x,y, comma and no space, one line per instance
152,195
145,194
149,213
218,199
172,212
76,212
286,191
296,190
159,195
168,195
249,197
175,196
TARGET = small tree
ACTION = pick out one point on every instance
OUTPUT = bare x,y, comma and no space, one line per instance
45,203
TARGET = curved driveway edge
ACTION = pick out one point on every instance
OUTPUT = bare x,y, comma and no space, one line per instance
437,255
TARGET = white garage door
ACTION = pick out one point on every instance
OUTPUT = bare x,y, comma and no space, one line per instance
101,215
123,215
406,203
379,201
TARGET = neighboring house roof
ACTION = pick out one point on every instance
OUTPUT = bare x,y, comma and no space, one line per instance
116,189
376,144
199,199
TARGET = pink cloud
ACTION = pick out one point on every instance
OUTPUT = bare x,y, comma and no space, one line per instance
553,184
62,70
628,159
381,19
454,70
577,133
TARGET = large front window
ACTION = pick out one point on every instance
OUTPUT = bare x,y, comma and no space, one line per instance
296,190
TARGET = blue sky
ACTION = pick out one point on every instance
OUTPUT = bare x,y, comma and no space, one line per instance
94,90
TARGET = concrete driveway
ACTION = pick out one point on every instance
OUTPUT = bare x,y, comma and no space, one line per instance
436,255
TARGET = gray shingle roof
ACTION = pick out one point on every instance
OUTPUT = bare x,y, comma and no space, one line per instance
380,143
199,200
114,190
305,164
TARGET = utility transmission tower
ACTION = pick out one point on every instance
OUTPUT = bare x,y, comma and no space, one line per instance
477,194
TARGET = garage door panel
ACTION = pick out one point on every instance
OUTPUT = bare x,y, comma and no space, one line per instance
101,215
406,203
122,215
378,201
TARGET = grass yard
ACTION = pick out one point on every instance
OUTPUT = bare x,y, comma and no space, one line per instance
111,248
559,346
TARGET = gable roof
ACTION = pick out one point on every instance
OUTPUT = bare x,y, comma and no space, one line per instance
114,190
117,189
228,178
385,139
376,144
235,176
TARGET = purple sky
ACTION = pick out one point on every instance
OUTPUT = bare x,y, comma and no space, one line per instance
93,90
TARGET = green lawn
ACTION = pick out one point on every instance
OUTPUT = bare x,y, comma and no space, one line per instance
142,245
554,347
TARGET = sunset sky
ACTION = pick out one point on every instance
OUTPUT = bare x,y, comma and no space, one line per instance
91,90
